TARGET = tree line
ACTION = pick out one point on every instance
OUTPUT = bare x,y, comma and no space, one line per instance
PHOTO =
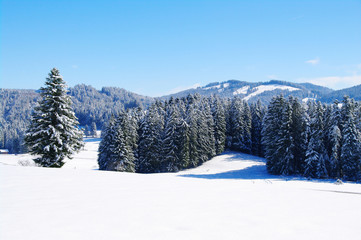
180,133
313,140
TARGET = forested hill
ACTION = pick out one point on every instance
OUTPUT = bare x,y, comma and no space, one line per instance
353,92
90,105
264,91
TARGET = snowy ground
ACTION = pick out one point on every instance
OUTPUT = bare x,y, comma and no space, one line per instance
229,197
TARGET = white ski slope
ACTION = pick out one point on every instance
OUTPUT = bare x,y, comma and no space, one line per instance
229,197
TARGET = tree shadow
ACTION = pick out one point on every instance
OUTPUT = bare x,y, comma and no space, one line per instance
249,173
243,157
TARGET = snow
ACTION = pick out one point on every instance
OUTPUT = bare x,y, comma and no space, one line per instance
225,85
213,87
263,88
242,90
229,197
305,100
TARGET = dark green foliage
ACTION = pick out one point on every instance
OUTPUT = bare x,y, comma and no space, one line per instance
351,142
53,132
257,114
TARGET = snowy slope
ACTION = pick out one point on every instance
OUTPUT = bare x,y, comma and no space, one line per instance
264,88
229,197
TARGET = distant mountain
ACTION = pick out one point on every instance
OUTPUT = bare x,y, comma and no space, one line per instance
353,92
261,90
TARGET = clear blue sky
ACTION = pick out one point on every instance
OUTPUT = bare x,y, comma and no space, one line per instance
155,47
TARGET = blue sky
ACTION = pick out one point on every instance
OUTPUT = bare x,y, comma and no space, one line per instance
157,47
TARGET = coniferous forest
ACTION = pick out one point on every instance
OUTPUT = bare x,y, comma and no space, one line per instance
313,140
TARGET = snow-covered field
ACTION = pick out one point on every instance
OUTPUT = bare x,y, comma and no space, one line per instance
229,197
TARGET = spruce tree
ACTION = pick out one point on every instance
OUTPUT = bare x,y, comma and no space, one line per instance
53,133
333,132
93,130
106,144
257,114
298,132
271,133
246,142
150,140
236,124
316,156
351,142
219,119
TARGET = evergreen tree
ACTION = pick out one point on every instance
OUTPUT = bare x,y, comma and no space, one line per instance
192,116
53,132
271,133
106,144
86,131
257,114
121,152
351,140
298,131
150,140
219,119
236,124
316,156
246,140
93,130
170,160
333,132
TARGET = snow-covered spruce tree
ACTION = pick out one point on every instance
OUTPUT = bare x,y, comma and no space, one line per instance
169,146
246,143
299,126
86,131
316,156
150,140
206,140
351,142
106,144
53,134
284,144
236,124
192,117
257,113
271,134
175,146
219,119
333,140
93,130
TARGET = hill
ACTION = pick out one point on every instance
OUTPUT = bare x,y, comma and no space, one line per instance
353,92
253,92
90,105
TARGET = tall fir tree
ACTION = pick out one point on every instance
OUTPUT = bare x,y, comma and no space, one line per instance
257,114
150,140
106,144
298,131
351,142
219,119
236,124
316,156
93,130
121,153
271,133
333,140
246,140
53,133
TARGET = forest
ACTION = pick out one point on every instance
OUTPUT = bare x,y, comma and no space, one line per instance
313,140
91,106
